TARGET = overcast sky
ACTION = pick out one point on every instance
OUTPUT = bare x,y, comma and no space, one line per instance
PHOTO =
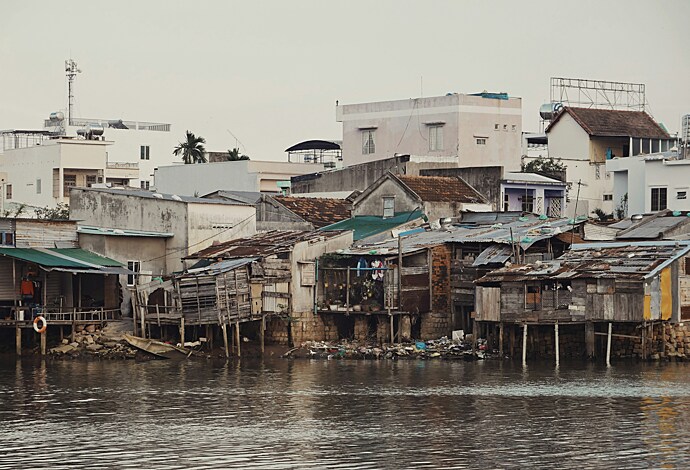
270,72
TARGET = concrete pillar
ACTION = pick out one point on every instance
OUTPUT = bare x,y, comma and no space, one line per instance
405,328
44,342
524,344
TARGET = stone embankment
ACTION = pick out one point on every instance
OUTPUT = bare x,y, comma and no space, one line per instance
93,342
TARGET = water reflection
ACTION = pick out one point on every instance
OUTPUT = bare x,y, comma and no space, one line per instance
347,414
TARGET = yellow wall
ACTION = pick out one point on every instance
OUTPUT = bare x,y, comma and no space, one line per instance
666,294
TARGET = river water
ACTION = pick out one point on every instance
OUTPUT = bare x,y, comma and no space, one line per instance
341,414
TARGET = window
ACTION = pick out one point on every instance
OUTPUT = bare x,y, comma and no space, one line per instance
435,137
91,180
505,127
514,128
533,297
38,186
144,152
8,191
7,238
135,267
659,201
496,127
69,182
481,141
527,203
681,195
145,184
388,206
368,145
608,197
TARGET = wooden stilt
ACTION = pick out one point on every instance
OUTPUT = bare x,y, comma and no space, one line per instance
500,339
558,356
18,334
511,339
392,330
62,333
237,337
182,331
44,342
262,333
74,324
589,340
524,344
224,327
644,341
608,345
475,334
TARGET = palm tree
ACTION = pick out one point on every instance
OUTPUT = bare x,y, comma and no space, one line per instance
192,150
234,155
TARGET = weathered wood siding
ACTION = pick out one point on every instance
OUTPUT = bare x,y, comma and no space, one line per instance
488,303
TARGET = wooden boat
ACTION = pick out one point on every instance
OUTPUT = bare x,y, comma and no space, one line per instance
157,348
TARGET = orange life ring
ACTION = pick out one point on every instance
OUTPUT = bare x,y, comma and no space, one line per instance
43,328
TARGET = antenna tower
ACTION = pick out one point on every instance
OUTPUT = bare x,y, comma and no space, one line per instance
71,70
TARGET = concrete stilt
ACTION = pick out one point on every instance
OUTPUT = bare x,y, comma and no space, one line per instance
555,331
182,331
608,345
237,337
224,327
524,344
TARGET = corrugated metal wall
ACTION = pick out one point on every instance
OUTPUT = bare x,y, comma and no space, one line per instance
46,234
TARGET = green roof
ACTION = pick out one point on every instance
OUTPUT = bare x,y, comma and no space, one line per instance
367,225
60,257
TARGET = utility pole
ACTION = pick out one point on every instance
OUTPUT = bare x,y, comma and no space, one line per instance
572,233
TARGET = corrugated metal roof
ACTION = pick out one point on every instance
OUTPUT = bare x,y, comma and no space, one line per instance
222,266
526,231
87,230
655,227
165,197
65,259
520,177
261,244
367,225
631,260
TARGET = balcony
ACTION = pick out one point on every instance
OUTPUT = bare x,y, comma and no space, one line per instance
121,170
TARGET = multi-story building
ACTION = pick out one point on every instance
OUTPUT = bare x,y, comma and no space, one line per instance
466,129
41,174
138,145
584,139
650,183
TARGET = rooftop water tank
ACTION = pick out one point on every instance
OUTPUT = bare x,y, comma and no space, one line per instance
547,111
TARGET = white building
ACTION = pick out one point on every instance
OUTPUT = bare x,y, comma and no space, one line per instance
585,138
651,183
531,192
245,175
138,145
187,224
42,174
475,129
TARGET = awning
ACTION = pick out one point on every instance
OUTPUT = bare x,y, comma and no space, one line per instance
74,260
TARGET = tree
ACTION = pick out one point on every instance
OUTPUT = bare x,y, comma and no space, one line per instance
192,149
60,212
543,165
234,155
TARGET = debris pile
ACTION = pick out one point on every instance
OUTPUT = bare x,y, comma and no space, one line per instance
442,348
91,341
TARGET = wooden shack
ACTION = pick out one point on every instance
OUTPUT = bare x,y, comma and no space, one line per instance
596,288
